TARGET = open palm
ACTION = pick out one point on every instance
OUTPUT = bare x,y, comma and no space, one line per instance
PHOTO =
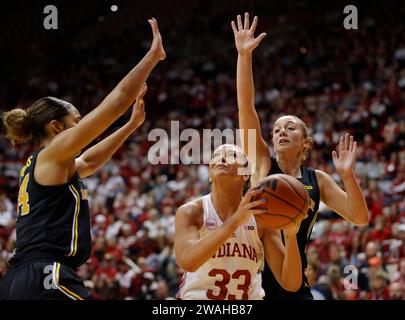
345,160
245,40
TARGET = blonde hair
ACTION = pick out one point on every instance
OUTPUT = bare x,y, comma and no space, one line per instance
307,138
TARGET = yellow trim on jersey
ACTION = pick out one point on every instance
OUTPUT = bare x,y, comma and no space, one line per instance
312,223
63,289
71,292
75,226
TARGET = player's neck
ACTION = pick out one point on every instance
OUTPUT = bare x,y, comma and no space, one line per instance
290,165
46,142
226,198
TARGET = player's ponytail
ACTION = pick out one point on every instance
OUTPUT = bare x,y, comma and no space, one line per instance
18,125
307,148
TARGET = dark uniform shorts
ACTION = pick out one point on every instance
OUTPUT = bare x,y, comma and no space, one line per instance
41,279
275,292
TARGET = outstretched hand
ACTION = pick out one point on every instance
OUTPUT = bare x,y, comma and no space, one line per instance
346,158
244,36
138,111
157,44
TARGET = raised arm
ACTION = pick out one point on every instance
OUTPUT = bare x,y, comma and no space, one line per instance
91,160
248,118
191,250
67,144
284,261
349,204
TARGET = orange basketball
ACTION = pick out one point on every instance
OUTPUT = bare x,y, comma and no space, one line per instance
287,199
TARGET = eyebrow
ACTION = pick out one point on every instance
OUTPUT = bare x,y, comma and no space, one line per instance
226,153
220,152
288,122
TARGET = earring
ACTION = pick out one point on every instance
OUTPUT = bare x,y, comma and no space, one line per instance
209,180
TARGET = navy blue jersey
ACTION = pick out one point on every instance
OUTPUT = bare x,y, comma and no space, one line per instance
52,221
271,286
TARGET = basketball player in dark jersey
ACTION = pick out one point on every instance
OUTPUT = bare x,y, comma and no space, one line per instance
53,221
292,145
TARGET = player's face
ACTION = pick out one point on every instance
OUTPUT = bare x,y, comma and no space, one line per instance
287,134
72,119
227,159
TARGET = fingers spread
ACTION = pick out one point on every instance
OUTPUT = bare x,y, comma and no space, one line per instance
258,187
254,24
258,211
334,155
260,37
255,203
233,25
239,21
250,194
351,143
346,141
246,27
341,145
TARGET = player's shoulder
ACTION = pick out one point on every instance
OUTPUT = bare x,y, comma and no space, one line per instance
192,211
324,179
321,175
193,207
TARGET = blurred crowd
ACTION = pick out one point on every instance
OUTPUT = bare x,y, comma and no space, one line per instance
336,80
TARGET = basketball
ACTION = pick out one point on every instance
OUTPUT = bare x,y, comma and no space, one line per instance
286,198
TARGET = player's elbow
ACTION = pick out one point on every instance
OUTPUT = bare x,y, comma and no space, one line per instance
292,286
186,264
291,281
188,267
361,223
360,220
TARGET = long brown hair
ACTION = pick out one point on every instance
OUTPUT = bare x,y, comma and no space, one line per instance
29,125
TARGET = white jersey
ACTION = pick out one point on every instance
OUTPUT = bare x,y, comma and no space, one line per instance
233,271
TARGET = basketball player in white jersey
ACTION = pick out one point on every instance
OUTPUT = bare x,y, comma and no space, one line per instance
219,245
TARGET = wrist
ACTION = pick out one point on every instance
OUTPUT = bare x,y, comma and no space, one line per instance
234,222
245,53
131,127
348,175
154,55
